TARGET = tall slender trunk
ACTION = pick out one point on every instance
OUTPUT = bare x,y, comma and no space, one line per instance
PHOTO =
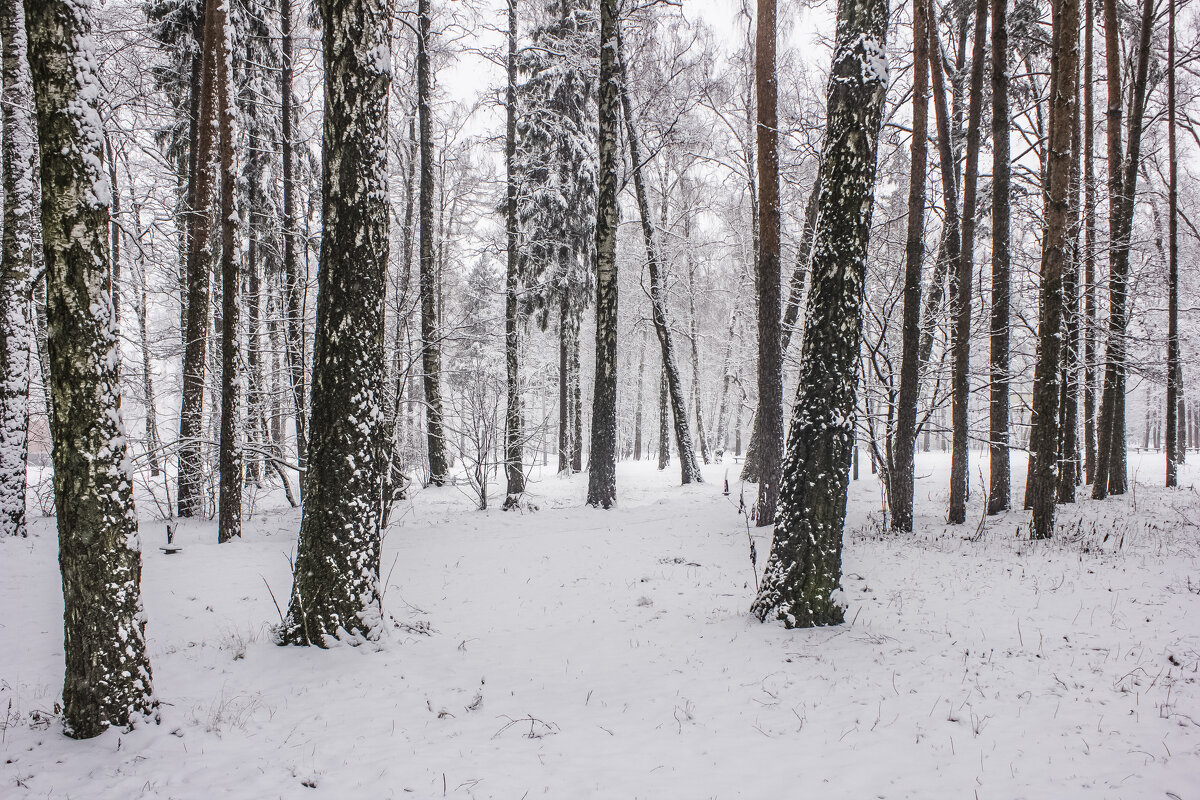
431,346
107,678
201,253
960,284
664,424
1056,251
688,467
514,470
566,409
1089,254
1175,445
229,517
727,378
694,331
900,470
293,292
1110,475
335,590
1068,456
602,478
791,310
16,267
769,420
804,569
1000,478
637,405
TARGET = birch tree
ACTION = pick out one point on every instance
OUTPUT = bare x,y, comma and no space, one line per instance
804,569
107,679
336,593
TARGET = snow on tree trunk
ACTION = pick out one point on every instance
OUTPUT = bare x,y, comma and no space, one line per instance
16,268
336,590
1056,251
229,504
803,571
514,471
900,471
688,466
294,326
602,477
200,257
431,347
1175,443
107,678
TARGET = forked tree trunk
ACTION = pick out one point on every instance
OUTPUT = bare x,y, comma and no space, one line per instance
960,285
1056,251
107,679
602,477
336,590
1110,475
804,569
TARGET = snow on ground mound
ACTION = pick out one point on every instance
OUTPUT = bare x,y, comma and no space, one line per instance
570,652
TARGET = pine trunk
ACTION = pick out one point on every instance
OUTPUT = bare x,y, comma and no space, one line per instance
1068,435
602,477
1174,367
201,253
768,433
999,467
960,285
16,267
1056,252
336,589
900,470
107,679
800,582
1122,182
1089,256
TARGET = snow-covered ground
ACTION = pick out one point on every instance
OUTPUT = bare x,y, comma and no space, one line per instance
575,653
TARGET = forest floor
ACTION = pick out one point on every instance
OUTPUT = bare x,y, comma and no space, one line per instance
573,653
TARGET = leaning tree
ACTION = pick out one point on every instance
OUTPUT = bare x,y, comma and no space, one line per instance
804,568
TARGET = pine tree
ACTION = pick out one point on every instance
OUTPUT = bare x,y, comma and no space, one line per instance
16,266
767,440
802,574
107,671
602,478
1000,478
336,584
